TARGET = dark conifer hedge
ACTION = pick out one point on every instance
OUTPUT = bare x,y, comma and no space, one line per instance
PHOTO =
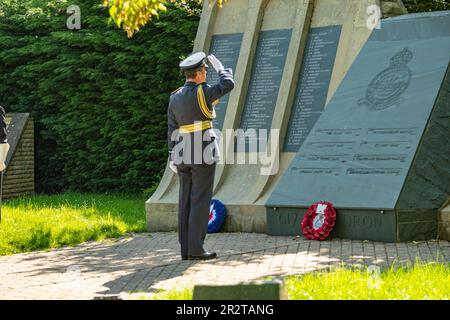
98,99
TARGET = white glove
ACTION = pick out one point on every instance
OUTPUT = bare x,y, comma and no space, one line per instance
4,147
173,167
216,64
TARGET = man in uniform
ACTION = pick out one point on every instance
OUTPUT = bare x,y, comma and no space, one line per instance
193,149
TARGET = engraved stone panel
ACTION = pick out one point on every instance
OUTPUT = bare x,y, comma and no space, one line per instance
226,48
312,88
267,71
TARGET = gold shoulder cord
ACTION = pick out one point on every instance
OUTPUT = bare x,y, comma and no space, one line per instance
202,103
176,90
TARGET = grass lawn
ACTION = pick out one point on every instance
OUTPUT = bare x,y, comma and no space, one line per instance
43,222
420,282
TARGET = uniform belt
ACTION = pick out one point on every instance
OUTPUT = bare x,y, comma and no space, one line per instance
197,126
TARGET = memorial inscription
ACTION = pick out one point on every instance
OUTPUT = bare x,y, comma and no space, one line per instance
265,81
226,48
312,88
364,225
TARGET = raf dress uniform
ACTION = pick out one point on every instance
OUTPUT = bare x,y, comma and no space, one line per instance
193,151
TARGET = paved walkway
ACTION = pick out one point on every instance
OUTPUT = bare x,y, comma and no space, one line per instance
149,262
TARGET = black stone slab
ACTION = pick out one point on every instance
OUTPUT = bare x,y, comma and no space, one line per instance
427,185
267,72
226,48
254,290
314,81
360,150
417,224
428,182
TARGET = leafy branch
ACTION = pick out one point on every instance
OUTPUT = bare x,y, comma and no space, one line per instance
131,15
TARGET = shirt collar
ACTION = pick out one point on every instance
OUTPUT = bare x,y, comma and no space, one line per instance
190,83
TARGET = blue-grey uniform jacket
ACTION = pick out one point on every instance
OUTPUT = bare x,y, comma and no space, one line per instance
190,112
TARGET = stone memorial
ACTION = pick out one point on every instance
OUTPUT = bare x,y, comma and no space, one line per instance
380,151
338,93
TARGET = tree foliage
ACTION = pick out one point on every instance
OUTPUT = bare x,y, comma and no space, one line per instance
131,15
426,5
98,99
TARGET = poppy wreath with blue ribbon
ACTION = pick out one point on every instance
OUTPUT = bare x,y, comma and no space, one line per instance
217,215
317,226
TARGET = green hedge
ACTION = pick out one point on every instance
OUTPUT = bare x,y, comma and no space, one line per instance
99,99
426,5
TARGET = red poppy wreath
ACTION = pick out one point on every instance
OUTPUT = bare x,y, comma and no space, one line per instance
319,220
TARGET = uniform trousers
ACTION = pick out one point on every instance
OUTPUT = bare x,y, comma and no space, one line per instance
196,187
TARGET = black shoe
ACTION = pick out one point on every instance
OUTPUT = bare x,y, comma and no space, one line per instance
204,256
184,257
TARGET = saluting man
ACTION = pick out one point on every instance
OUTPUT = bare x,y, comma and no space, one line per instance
193,149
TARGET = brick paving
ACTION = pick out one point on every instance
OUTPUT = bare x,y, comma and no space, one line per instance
147,263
